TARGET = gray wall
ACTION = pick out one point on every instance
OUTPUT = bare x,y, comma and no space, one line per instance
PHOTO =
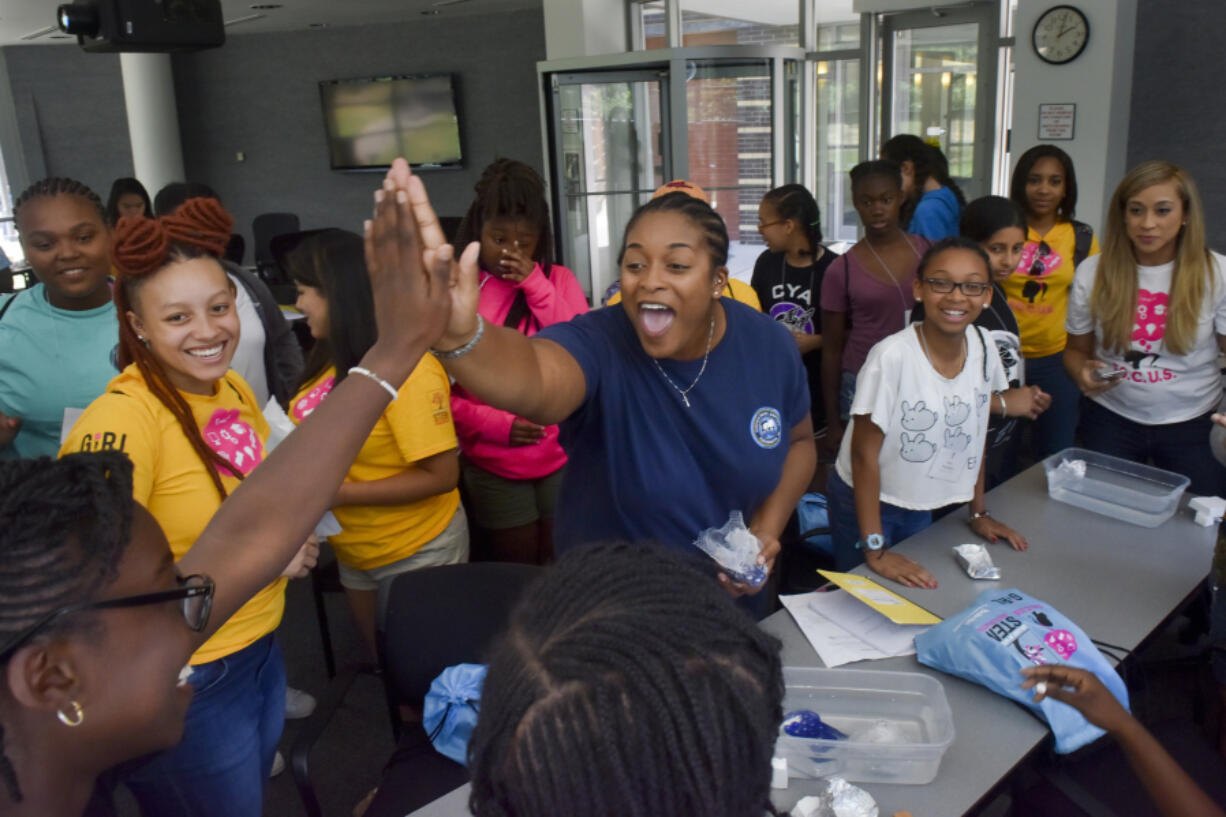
70,116
1177,111
259,94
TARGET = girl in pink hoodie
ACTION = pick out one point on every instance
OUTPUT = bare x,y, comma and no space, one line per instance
511,467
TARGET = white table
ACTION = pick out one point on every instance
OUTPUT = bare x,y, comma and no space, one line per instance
1119,582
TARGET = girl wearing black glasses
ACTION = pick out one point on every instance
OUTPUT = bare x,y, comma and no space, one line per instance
919,422
93,663
1045,187
998,226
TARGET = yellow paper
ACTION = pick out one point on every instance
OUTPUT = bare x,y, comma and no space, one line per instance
888,603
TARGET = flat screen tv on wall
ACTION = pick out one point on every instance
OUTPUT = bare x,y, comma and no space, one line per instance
372,121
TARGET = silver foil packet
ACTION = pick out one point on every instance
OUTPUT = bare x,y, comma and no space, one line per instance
976,562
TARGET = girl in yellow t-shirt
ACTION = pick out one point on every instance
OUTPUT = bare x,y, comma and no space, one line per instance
1045,187
193,430
399,508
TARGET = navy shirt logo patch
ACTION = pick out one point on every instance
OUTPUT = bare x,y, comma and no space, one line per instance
766,427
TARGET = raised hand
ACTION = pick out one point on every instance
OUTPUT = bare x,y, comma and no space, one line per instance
411,290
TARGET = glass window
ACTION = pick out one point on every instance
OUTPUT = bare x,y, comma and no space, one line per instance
609,137
838,146
735,22
935,73
652,25
729,110
840,36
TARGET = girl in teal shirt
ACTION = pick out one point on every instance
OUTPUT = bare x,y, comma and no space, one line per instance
55,337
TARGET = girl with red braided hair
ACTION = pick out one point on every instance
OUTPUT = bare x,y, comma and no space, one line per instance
193,430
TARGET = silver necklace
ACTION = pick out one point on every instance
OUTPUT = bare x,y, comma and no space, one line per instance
919,328
701,370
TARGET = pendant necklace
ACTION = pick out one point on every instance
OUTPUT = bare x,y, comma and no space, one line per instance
701,370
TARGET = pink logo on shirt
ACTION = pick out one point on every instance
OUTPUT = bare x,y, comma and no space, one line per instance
1150,323
1038,260
234,440
311,400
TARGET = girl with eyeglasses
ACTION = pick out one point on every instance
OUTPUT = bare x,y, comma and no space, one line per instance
96,617
193,430
1146,322
1045,187
919,422
788,277
998,226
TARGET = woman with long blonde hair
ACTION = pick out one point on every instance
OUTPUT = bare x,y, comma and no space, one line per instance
1146,319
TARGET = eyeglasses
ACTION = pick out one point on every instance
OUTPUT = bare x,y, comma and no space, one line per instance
195,593
944,286
762,226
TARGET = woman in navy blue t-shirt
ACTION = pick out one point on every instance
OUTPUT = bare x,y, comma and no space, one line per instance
677,406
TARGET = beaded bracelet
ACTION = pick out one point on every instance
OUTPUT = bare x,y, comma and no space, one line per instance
452,354
387,387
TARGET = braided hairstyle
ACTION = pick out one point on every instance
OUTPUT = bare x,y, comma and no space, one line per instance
628,684
701,214
142,247
510,189
63,526
55,186
794,202
874,168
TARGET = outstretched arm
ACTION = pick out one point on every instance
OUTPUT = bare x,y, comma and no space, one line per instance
261,526
1172,790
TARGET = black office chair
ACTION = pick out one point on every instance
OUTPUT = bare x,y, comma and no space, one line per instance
264,228
428,620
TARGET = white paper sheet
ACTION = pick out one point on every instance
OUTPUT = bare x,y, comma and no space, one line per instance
842,629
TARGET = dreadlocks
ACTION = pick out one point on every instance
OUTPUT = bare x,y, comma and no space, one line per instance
628,684
509,189
199,228
63,526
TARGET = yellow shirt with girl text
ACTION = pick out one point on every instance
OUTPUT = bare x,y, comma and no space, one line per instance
416,425
170,479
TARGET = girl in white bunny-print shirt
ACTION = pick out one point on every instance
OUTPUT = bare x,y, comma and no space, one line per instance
920,421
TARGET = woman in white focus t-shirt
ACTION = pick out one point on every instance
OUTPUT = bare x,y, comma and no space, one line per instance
1146,319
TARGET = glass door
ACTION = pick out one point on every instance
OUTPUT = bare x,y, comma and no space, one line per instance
940,84
610,138
730,120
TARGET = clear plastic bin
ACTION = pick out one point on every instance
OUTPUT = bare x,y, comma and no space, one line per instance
852,701
1121,489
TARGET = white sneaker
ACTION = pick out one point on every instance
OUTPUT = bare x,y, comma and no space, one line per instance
278,764
298,704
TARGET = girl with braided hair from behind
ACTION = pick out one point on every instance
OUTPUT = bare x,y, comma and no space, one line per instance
97,617
512,467
193,430
55,337
627,685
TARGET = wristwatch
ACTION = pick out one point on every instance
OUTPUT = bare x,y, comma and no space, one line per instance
874,541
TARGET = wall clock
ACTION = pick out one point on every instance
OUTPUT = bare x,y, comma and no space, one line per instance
1060,34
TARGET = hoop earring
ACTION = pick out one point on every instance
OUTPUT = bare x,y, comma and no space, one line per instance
73,720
